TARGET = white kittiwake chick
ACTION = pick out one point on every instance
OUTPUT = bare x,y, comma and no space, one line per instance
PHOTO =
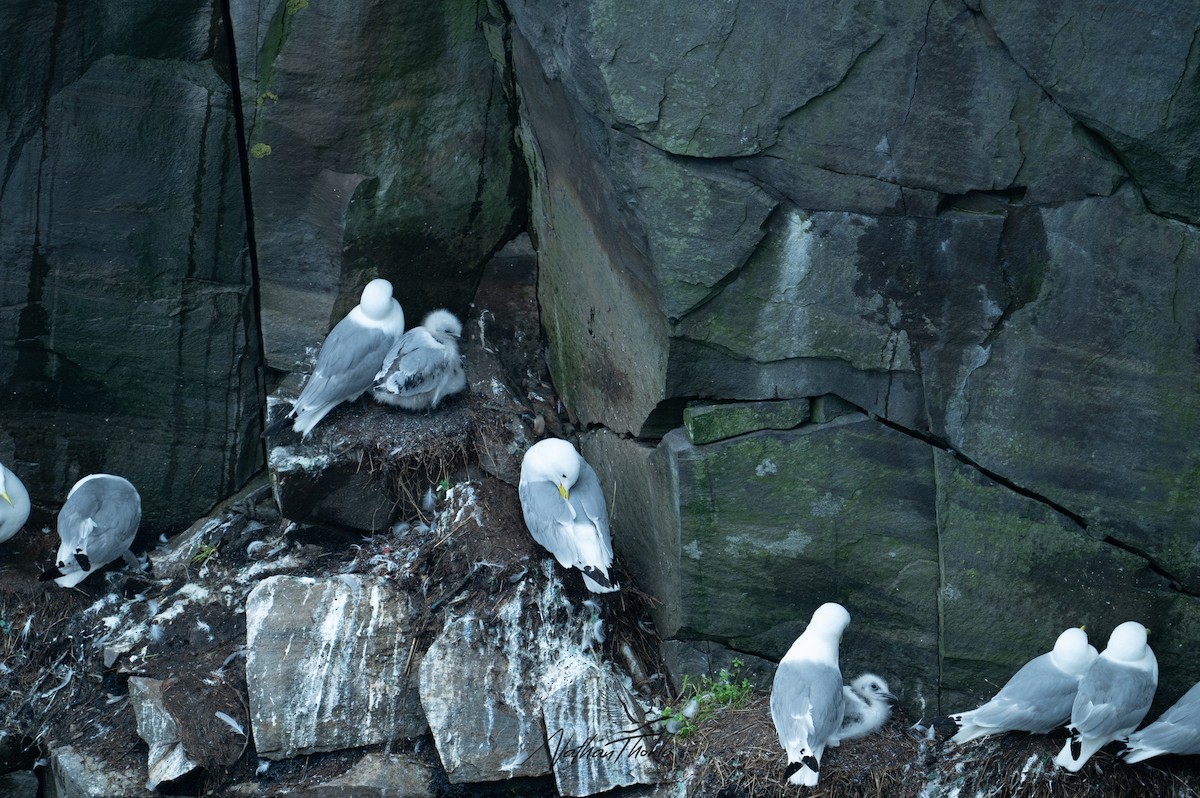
807,702
97,524
1038,697
424,366
565,511
351,356
1177,731
14,504
1114,695
867,707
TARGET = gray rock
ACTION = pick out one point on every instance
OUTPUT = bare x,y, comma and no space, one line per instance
474,683
327,665
595,730
1015,573
741,539
343,190
167,759
1127,78
706,423
126,307
694,658
74,773
22,784
377,776
1086,390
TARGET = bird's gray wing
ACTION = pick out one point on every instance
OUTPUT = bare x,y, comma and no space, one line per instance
806,704
116,512
1112,697
1037,698
587,497
346,366
549,519
421,363
1177,730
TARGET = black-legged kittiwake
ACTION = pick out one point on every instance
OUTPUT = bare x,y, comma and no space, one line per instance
807,702
351,356
97,524
1177,731
565,511
1114,695
868,704
424,366
1038,697
14,504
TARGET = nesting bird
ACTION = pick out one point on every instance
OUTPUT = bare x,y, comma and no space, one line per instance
564,509
351,356
97,524
807,701
1039,695
1114,695
14,504
424,366
1177,731
867,707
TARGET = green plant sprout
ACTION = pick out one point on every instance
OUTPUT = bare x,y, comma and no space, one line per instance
266,95
295,6
703,699
260,150
204,554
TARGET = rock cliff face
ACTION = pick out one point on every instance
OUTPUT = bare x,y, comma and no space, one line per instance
126,295
895,304
975,225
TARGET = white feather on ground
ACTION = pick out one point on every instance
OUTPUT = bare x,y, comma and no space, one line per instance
97,524
1038,697
424,366
351,356
564,508
1177,731
1114,695
868,704
807,702
14,504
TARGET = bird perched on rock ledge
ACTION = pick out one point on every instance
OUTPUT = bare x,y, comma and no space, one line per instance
424,366
351,356
97,524
1114,695
807,702
564,509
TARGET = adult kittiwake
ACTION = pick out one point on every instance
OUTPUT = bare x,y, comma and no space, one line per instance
807,702
1177,731
351,356
14,504
424,367
97,524
1114,695
565,511
1038,697
867,707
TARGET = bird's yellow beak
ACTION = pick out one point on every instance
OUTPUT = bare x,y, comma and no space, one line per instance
4,493
562,490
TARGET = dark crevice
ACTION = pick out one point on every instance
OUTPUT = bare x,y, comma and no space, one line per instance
944,446
239,121
1152,564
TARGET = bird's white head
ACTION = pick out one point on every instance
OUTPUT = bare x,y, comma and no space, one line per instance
1071,651
551,460
442,322
830,620
869,685
1127,642
376,299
